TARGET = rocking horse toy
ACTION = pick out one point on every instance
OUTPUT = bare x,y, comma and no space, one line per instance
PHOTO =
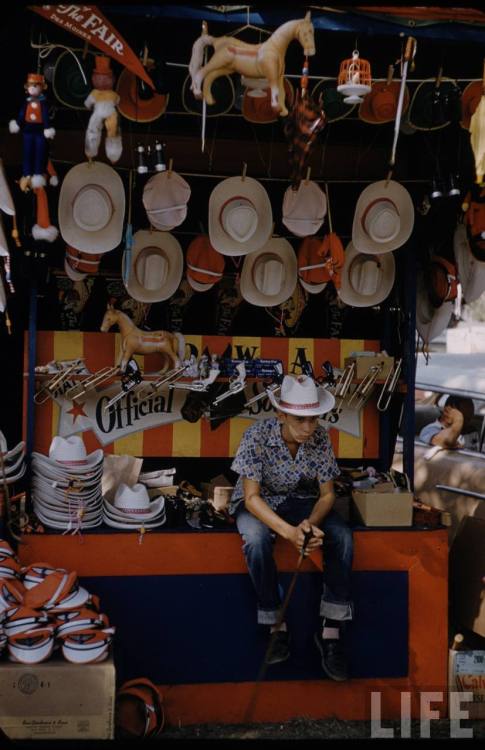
265,60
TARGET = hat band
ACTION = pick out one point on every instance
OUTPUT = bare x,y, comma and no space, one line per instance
132,510
71,463
204,270
287,405
165,210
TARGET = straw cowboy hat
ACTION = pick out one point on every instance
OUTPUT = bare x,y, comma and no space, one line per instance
165,197
138,102
430,321
380,104
333,104
301,397
366,279
205,265
269,275
471,271
304,209
240,216
92,208
71,78
470,99
383,218
156,268
258,108
313,272
433,107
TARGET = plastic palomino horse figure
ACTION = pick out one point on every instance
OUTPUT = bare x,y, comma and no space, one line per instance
265,60
135,341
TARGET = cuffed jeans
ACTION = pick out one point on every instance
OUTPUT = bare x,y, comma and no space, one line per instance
337,553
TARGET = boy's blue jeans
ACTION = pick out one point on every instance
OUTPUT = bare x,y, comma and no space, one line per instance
337,552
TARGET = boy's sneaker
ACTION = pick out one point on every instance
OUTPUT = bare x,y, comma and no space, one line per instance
280,647
334,659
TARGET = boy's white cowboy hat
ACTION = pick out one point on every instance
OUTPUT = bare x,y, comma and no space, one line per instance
165,197
304,209
300,396
471,271
156,268
133,503
269,275
430,321
366,279
92,208
240,216
383,218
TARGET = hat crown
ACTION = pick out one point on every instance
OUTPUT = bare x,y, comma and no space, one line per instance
151,268
69,450
381,220
92,208
239,218
365,274
268,274
299,393
132,498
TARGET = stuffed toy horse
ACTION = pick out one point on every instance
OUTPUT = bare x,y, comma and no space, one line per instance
33,121
103,101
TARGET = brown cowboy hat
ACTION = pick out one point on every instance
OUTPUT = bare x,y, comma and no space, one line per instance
380,104
136,105
258,109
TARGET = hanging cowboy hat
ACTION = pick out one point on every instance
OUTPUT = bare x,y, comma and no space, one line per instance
380,104
304,209
471,271
313,269
430,321
222,91
78,265
332,102
470,99
156,266
138,102
258,109
301,397
165,197
92,208
383,218
366,279
269,275
205,265
240,216
71,79
435,103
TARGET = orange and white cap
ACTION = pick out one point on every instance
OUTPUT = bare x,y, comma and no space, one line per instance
32,646
10,568
144,691
313,265
36,572
12,593
205,265
87,646
23,619
6,550
79,620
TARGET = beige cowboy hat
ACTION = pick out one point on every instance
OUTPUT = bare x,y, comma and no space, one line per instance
304,209
366,279
383,218
156,268
92,208
269,275
471,271
240,216
430,321
165,197
301,397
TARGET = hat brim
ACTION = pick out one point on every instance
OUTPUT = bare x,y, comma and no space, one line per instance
312,288
348,294
171,246
197,286
136,109
71,273
106,239
430,321
68,84
389,190
326,402
281,248
243,188
471,271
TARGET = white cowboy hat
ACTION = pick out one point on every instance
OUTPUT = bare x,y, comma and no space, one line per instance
269,275
92,208
157,265
304,209
383,219
366,279
430,321
240,216
8,455
301,397
471,271
133,503
165,197
70,453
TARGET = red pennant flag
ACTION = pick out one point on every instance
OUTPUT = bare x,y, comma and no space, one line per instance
87,22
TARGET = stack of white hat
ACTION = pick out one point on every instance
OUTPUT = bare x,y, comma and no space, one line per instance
66,485
12,466
133,509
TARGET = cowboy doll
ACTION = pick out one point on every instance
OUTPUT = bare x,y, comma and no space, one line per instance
33,121
286,468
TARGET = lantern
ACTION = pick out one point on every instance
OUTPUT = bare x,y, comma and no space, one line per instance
354,79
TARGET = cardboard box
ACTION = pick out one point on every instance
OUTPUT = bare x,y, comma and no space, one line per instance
57,700
466,674
384,505
365,362
467,568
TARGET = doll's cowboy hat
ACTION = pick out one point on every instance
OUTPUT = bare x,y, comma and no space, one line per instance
165,197
205,265
240,216
156,267
380,104
92,208
269,275
430,321
301,397
471,271
304,209
383,218
366,279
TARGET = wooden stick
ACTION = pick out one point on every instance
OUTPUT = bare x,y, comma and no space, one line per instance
244,170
